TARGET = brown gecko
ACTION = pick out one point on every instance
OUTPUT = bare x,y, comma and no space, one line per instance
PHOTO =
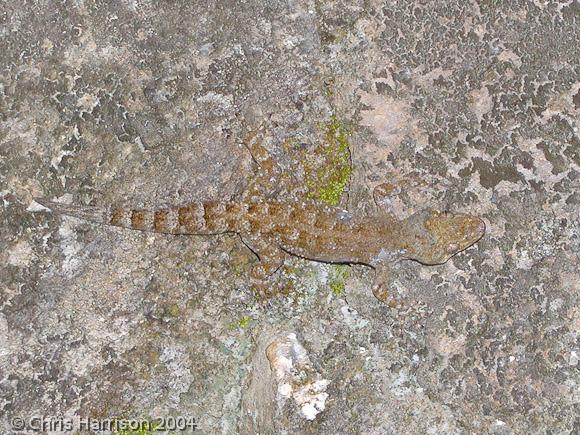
273,228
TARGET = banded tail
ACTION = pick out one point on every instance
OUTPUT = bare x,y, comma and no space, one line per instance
210,217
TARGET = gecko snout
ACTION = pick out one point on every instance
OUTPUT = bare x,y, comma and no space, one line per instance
474,228
449,233
470,232
481,228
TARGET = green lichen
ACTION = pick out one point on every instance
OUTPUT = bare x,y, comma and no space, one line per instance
328,181
337,279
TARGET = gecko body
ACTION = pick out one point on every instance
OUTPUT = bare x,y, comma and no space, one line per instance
274,228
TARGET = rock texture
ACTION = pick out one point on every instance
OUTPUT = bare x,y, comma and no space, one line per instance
144,103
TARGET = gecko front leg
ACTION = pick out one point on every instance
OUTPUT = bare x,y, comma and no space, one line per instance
271,258
385,193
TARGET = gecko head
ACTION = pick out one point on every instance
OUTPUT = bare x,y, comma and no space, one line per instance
438,236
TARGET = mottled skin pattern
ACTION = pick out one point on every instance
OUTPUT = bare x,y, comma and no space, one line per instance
273,228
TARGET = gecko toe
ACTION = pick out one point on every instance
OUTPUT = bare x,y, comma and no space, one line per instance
388,296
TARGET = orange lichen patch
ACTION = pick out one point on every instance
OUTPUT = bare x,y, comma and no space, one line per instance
138,219
117,217
160,220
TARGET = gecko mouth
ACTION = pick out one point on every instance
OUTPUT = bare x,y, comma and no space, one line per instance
470,238
472,228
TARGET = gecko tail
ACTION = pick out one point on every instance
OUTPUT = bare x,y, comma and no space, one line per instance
210,217
92,214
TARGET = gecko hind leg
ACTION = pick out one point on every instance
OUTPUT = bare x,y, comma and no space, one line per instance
260,155
383,288
271,259
269,174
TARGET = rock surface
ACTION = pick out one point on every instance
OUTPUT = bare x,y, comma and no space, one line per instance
144,103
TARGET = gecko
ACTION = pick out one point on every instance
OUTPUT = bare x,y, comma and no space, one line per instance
273,227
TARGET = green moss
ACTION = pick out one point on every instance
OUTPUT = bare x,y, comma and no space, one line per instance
329,180
242,323
337,279
172,310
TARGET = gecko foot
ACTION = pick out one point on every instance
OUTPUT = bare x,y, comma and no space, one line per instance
263,282
267,279
384,290
384,193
